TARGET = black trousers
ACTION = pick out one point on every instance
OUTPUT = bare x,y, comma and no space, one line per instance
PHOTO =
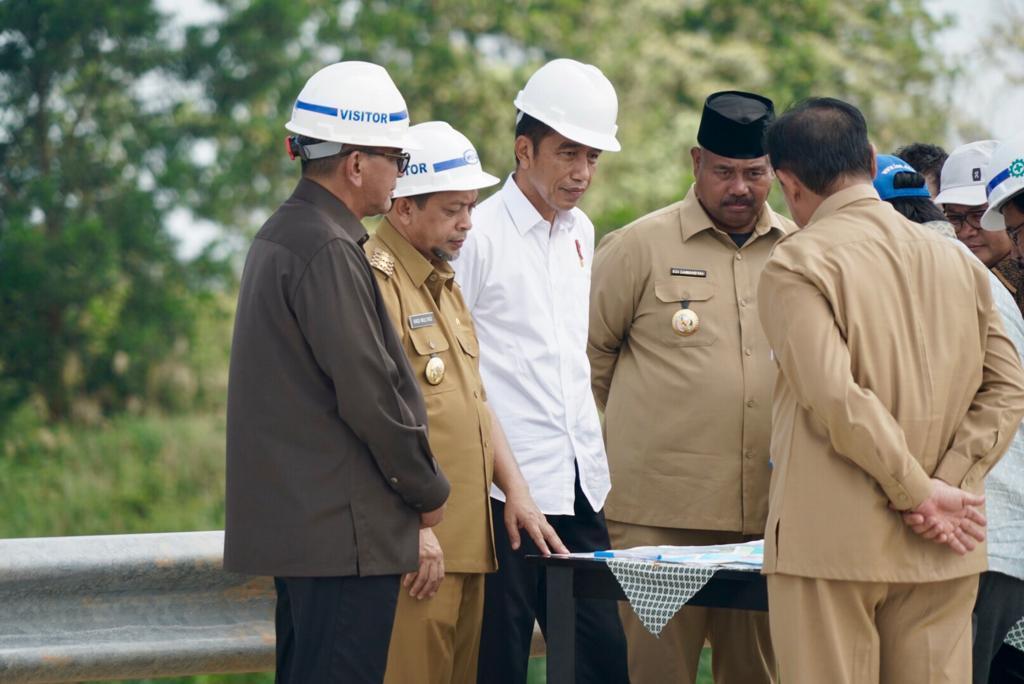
1000,604
334,630
517,594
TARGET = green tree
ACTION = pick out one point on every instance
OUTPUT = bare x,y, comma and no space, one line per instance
464,61
92,296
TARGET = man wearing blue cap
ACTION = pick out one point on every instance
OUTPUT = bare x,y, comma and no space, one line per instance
673,322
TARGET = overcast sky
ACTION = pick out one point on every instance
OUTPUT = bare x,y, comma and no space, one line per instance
982,91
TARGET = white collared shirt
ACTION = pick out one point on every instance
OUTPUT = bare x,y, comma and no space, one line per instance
527,284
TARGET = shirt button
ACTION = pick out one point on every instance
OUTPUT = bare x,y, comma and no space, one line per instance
433,277
743,302
748,454
747,351
476,395
394,480
739,257
432,345
750,403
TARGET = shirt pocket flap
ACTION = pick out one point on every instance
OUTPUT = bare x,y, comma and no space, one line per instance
468,342
679,290
428,340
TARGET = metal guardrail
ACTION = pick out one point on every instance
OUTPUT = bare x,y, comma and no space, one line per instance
133,605
144,605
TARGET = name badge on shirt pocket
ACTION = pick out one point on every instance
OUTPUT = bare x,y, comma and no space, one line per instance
421,320
691,272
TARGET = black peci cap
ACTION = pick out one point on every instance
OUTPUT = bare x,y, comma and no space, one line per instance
733,124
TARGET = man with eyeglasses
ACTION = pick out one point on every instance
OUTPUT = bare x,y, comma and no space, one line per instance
329,472
963,201
673,322
1000,603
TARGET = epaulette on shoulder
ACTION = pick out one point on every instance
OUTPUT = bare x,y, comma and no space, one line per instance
383,261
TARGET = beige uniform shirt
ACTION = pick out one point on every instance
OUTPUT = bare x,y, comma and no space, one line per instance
426,308
894,367
687,418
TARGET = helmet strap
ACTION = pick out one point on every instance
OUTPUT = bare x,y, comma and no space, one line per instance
315,151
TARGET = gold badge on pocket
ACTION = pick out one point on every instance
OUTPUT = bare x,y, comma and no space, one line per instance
435,370
685,322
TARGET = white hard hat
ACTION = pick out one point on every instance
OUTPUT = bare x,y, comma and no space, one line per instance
962,180
445,160
576,100
355,103
1005,178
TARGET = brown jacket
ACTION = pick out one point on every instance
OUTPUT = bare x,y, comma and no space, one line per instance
427,310
705,467
894,367
328,465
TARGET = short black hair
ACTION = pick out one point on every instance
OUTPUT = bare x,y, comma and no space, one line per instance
319,168
533,129
422,199
918,209
1017,201
926,158
821,140
908,179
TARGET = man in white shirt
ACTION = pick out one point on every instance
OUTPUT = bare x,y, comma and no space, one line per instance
525,276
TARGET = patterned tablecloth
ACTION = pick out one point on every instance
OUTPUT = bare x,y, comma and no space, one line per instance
657,590
1016,636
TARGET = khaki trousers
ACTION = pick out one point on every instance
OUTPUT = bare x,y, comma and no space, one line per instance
741,649
844,632
437,640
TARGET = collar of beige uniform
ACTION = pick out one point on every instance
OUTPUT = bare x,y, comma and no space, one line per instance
524,215
845,197
693,219
409,258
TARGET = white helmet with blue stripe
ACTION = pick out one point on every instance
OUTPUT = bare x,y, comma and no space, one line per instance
1004,178
355,103
445,160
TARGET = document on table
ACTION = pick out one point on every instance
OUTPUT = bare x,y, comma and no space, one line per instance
747,556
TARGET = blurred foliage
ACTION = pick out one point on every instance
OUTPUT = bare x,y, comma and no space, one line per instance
92,296
464,61
111,116
136,474
1006,44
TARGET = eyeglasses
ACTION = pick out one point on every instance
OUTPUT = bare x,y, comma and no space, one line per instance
401,159
1014,231
971,218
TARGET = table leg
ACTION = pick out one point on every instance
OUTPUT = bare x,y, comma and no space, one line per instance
561,636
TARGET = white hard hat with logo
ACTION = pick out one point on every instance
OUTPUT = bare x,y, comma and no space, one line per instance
1005,178
962,180
445,160
576,100
351,102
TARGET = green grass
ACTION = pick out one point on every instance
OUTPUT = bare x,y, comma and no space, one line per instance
135,474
